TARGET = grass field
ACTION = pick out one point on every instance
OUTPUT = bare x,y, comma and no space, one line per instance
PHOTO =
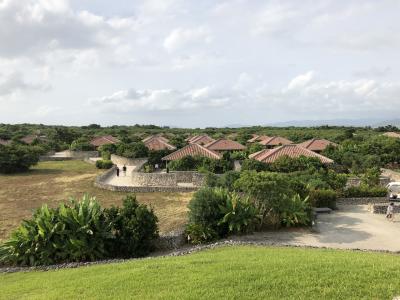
54,182
243,272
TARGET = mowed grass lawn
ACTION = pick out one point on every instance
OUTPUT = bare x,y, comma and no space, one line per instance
242,272
55,182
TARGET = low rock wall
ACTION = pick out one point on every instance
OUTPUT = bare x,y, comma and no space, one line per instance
361,201
171,179
170,241
355,181
381,208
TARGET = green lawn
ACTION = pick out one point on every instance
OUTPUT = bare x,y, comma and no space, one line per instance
243,272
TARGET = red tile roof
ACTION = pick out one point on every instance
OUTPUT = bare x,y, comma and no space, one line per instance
201,139
192,150
159,136
104,140
157,143
224,145
5,142
392,134
275,141
257,138
270,155
316,144
29,139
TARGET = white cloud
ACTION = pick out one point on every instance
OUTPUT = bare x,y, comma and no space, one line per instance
161,100
180,37
14,82
300,81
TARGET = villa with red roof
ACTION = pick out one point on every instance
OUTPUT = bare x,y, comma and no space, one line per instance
270,155
157,143
104,140
192,150
271,142
317,145
257,138
222,145
203,139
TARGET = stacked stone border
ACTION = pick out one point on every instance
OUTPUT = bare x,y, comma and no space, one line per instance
361,201
100,182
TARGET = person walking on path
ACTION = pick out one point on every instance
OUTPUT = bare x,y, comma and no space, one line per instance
124,170
390,212
117,171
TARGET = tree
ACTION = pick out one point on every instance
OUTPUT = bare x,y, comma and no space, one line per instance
18,158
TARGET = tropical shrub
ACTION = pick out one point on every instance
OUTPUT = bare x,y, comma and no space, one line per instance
134,227
288,164
240,215
104,164
77,231
204,209
203,164
295,211
323,198
81,231
18,158
364,191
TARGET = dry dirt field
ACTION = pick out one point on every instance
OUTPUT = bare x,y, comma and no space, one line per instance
55,182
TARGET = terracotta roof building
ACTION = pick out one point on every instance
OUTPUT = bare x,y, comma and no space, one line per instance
317,145
104,140
203,139
192,150
5,142
159,136
270,155
257,138
224,145
157,143
392,134
274,141
29,139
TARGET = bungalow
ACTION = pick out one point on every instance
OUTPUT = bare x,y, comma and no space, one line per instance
392,134
317,145
270,155
257,138
192,150
222,145
29,139
157,143
104,140
271,142
203,139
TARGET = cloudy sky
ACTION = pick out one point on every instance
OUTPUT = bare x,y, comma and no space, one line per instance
198,63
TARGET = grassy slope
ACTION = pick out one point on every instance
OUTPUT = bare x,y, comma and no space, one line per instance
235,273
54,182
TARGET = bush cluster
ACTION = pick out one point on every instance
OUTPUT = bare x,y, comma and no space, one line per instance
81,231
18,158
104,164
364,191
323,198
203,164
215,212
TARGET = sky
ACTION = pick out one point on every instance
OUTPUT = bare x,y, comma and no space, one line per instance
198,63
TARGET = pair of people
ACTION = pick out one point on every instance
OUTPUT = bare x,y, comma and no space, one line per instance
123,170
390,212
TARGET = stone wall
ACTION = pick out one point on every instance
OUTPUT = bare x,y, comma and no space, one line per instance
381,208
361,201
355,181
171,179
120,160
170,241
